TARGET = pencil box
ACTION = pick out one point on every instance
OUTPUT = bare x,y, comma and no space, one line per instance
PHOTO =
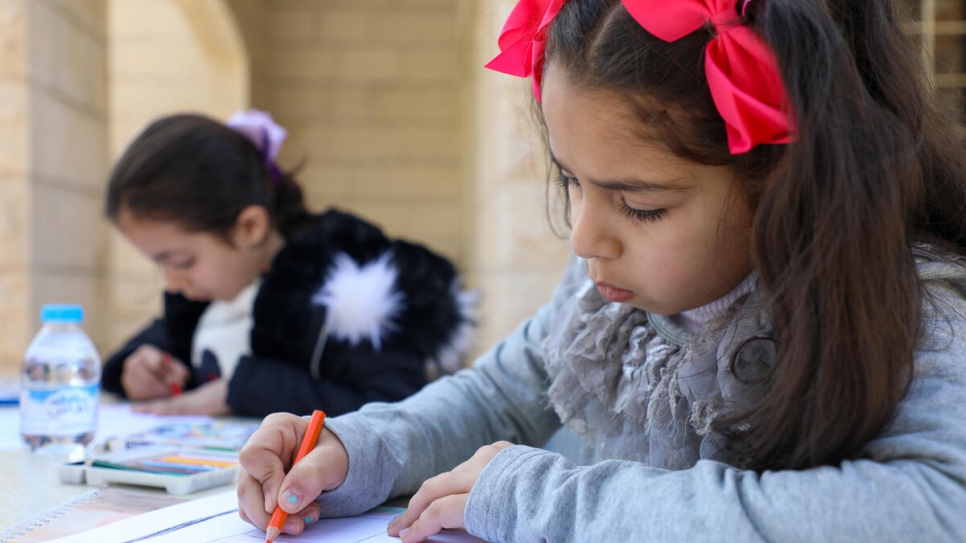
177,471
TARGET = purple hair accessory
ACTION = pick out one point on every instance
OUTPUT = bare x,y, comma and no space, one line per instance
264,133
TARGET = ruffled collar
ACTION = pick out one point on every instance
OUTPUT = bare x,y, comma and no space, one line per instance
637,387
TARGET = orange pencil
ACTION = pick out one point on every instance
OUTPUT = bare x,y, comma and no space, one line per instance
308,442
175,387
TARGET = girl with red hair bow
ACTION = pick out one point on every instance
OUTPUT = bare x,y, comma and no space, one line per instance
762,334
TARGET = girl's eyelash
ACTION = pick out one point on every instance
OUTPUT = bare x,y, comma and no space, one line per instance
640,215
643,215
565,181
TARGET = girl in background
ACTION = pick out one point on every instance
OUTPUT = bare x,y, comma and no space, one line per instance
763,335
269,307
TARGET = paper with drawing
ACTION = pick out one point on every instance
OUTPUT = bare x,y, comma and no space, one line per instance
215,520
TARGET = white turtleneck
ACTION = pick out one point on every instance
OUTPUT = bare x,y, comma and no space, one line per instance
693,320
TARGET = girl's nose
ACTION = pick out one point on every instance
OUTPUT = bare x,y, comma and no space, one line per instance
592,234
173,281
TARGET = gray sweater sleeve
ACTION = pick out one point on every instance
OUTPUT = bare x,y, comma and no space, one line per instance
393,448
911,487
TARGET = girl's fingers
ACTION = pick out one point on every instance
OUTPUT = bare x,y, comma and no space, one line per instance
446,512
324,468
456,482
268,453
436,491
251,502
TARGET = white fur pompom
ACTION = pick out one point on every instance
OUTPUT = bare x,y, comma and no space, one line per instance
361,302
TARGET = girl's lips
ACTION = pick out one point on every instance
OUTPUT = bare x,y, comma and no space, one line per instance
614,294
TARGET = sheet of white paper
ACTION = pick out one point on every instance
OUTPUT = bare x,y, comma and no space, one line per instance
114,420
117,420
215,520
10,428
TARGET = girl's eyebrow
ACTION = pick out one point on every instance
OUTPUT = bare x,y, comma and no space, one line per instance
167,255
626,185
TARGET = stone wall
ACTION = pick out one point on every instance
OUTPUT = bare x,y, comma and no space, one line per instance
53,157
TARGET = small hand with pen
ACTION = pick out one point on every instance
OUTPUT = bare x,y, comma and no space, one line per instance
269,478
209,399
151,373
441,500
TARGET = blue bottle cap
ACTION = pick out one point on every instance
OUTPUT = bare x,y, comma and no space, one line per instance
62,313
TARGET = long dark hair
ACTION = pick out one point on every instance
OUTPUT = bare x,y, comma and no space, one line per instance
874,167
199,173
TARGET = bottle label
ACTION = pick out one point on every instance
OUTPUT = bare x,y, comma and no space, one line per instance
65,411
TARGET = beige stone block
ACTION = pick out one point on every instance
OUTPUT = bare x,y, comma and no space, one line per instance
13,44
14,227
136,296
320,200
327,179
120,329
383,102
302,64
84,75
422,27
67,143
17,323
300,26
125,260
65,56
162,60
434,224
92,14
437,102
444,181
48,41
345,26
13,128
508,299
124,129
369,63
309,104
522,238
378,5
143,100
67,230
378,142
429,64
140,20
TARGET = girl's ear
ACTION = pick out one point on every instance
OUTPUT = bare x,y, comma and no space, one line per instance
252,226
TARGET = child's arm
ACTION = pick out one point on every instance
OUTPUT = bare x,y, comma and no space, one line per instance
111,377
911,485
394,447
171,333
263,483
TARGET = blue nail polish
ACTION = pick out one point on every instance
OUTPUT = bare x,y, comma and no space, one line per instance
291,498
394,520
403,532
309,520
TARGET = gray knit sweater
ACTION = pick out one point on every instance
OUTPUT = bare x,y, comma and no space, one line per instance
642,411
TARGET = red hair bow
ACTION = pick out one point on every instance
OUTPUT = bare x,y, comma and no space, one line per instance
741,70
524,40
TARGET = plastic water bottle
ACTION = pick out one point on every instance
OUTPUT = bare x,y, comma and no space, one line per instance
60,385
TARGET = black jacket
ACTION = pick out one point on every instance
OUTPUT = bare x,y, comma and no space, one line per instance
287,324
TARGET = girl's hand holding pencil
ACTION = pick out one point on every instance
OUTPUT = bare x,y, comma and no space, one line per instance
151,373
271,478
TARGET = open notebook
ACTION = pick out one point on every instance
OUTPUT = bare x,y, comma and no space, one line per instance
86,512
215,519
